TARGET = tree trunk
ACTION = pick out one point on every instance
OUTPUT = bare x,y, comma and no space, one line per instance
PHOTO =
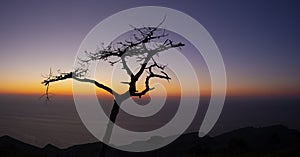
113,116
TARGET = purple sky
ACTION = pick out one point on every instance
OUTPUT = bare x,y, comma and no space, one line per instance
258,40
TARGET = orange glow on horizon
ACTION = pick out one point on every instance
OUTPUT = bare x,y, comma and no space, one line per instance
65,89
34,87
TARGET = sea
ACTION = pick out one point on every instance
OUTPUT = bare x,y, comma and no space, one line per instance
33,120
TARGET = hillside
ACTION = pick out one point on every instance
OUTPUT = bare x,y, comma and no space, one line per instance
272,141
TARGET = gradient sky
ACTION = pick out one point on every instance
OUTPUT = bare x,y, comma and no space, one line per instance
259,40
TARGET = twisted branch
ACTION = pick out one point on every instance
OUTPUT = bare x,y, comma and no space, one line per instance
72,75
137,46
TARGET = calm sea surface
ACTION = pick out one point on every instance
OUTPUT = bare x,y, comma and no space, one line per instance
33,121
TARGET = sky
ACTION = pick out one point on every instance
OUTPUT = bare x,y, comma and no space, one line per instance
259,41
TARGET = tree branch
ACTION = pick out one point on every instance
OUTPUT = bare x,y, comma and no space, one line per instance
151,75
76,76
138,46
125,66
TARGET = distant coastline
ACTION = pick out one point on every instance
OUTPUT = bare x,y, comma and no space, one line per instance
276,140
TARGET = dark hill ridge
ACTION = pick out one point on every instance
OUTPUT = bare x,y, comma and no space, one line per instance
274,141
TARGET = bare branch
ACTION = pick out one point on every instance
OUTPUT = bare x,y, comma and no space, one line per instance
143,45
73,75
151,75
125,66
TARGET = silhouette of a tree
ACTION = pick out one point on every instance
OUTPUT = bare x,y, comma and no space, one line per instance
144,44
